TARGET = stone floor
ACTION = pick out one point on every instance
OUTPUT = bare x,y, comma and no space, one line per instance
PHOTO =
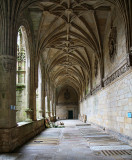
76,141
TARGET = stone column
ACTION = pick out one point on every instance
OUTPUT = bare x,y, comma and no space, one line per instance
43,98
46,99
43,92
54,103
48,96
43,103
46,106
7,91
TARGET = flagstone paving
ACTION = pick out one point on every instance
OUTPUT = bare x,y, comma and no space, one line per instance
74,142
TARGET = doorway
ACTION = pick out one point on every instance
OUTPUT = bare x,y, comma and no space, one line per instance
70,114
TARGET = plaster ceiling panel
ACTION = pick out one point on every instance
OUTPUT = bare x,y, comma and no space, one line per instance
77,31
52,53
82,52
72,31
48,18
89,18
49,24
47,4
35,16
45,54
81,24
92,2
102,17
91,54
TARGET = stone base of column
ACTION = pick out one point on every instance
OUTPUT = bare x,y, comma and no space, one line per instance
7,118
53,119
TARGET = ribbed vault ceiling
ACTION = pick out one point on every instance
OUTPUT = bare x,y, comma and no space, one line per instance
69,35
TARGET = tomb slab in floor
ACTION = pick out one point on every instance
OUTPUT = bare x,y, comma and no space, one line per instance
72,143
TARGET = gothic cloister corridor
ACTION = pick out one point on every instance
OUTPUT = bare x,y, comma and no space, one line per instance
77,141
66,61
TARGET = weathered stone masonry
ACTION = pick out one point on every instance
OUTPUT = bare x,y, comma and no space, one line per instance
78,61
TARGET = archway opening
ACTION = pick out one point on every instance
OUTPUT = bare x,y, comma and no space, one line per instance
39,94
22,75
67,104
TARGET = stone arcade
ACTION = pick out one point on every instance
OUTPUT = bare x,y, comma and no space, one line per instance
64,59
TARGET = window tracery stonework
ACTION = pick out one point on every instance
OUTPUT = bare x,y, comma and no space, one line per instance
21,56
112,43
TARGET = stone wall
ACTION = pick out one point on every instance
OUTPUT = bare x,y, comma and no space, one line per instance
108,104
15,137
110,64
62,111
67,101
109,107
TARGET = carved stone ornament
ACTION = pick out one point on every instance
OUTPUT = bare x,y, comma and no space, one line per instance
9,65
96,67
96,89
116,74
129,58
21,56
67,94
110,78
112,43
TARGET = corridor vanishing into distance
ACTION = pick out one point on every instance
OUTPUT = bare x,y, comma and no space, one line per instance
66,61
77,141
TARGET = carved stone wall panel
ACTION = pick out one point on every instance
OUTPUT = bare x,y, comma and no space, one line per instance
96,67
115,75
9,65
112,43
119,72
110,78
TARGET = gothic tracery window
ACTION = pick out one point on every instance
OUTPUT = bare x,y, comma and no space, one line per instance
38,94
21,76
21,60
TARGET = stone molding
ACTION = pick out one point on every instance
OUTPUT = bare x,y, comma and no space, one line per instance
70,103
110,78
96,89
116,74
88,95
